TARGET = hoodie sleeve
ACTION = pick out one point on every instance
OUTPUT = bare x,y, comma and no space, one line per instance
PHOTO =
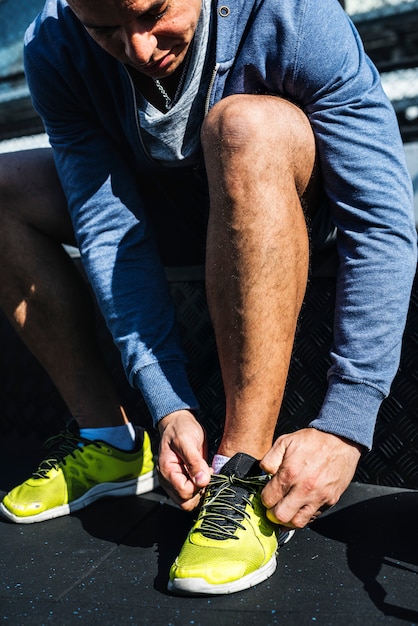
116,245
370,195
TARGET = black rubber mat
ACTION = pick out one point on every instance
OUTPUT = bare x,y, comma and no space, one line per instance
109,565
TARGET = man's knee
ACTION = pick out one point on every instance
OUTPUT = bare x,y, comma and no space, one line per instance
262,128
245,117
22,176
31,194
26,171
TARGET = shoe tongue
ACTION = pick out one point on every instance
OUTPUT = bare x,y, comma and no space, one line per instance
241,465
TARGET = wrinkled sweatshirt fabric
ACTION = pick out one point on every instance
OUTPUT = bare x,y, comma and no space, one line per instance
306,51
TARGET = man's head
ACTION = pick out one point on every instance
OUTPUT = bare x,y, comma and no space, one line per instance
151,36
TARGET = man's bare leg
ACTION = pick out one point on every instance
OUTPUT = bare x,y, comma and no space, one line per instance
42,292
259,154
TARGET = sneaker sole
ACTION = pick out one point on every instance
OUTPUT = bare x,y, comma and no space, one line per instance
134,487
200,586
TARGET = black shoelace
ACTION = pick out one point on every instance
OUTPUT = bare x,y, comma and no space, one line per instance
224,504
58,447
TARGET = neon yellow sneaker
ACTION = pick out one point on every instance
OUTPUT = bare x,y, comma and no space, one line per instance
232,545
76,473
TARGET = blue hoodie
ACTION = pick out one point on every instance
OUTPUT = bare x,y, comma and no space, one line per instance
306,51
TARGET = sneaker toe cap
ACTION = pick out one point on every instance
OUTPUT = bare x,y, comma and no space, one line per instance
214,574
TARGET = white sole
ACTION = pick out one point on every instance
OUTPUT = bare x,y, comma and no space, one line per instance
200,586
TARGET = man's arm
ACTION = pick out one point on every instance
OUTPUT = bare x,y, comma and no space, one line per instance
370,195
116,245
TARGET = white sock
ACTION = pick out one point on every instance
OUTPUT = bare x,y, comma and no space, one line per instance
218,462
122,437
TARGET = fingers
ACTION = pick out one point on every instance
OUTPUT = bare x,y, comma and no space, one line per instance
294,511
294,506
310,471
183,470
180,492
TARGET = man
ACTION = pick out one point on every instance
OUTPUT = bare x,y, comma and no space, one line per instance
265,125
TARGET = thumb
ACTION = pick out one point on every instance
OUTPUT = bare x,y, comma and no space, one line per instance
197,468
271,461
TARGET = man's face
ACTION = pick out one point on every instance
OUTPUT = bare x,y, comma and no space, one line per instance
152,36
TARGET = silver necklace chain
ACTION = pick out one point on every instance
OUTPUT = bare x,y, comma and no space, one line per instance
168,101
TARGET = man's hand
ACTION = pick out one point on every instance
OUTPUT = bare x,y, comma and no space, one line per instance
183,471
311,469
